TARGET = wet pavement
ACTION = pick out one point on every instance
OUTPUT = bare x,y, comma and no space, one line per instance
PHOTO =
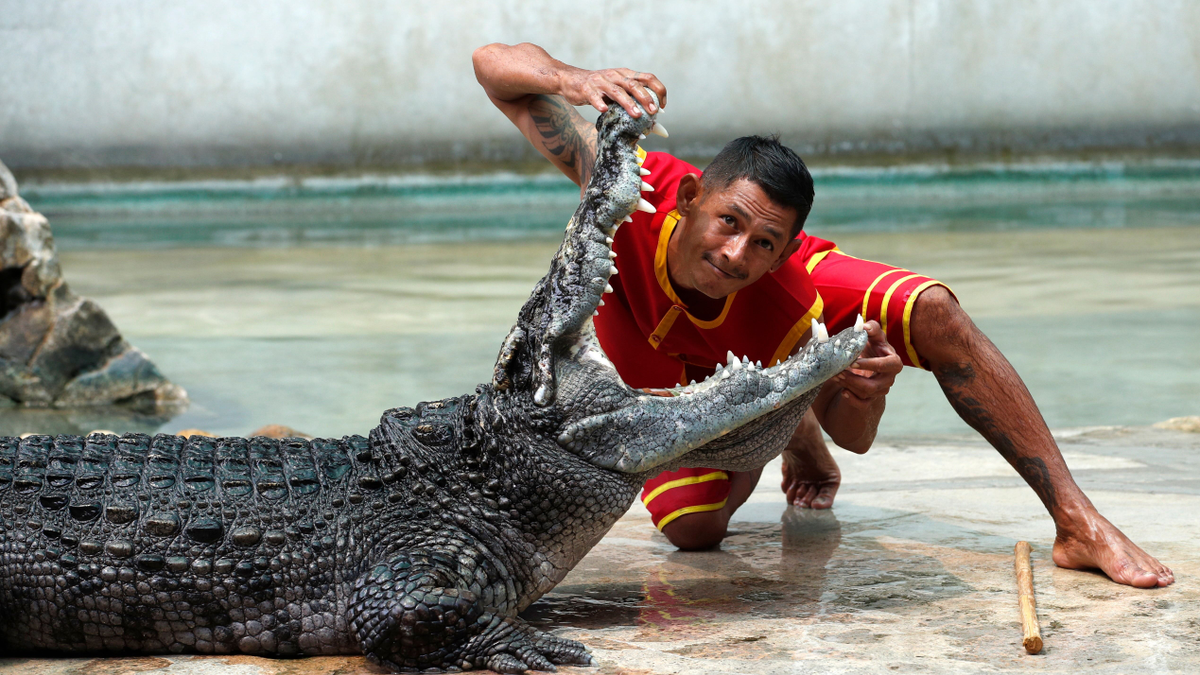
910,572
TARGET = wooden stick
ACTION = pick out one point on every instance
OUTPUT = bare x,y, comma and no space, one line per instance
1029,620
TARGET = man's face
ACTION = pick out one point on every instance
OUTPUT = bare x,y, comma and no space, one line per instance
728,238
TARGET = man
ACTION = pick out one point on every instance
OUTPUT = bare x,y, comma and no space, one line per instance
725,244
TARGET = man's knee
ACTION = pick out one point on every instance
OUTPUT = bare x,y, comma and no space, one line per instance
697,531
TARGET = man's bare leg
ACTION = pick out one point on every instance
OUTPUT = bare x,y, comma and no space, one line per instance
988,394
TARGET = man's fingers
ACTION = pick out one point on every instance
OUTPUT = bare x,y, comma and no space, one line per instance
649,81
888,365
618,94
865,387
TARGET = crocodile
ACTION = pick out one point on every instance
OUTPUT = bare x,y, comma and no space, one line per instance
416,546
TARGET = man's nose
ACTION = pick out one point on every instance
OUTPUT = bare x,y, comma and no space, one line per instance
735,250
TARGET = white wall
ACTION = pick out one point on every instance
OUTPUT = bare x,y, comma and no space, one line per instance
359,81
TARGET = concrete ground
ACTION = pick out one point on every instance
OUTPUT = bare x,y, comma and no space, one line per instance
911,571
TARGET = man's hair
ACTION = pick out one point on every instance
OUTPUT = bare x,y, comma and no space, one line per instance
774,167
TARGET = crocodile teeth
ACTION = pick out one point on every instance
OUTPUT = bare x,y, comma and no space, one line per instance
628,219
745,360
659,130
641,137
601,303
837,343
612,270
815,330
822,333
612,255
646,187
646,206
644,172
609,241
596,313
725,374
858,323
730,358
759,364
608,289
692,384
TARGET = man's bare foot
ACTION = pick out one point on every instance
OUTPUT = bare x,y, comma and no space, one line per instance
1095,543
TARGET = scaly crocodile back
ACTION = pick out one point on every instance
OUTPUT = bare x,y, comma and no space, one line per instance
153,528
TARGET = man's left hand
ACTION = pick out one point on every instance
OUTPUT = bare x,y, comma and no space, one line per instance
874,373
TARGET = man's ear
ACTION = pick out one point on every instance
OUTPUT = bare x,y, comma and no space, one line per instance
688,193
792,247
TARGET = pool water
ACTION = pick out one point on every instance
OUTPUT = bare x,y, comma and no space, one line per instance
319,303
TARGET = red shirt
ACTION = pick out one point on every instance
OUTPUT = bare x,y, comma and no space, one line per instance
646,329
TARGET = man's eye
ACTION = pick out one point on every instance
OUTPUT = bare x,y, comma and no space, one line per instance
729,220
766,244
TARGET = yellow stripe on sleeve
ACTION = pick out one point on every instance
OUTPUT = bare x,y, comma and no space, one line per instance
867,295
887,297
908,306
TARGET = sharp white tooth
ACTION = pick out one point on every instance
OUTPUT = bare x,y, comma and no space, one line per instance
608,288
629,219
717,369
612,270
659,130
815,331
692,384
729,357
745,360
596,313
601,303
644,172
858,323
641,137
736,365
608,240
646,206
759,364
822,333
612,255
646,187
837,343
725,374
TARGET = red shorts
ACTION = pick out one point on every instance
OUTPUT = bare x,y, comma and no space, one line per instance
851,286
671,494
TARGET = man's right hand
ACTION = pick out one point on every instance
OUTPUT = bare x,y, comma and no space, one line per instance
538,93
598,87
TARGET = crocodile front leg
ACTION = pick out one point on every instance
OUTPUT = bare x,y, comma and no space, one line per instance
413,611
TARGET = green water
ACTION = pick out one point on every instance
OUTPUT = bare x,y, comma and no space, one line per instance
319,303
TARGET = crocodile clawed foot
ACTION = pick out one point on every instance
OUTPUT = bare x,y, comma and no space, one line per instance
514,646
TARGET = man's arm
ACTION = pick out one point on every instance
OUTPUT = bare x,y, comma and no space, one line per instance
851,403
538,93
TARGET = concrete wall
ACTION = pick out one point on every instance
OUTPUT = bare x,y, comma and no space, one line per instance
196,82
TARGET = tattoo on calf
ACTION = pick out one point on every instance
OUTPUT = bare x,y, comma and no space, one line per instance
1034,471
974,413
556,121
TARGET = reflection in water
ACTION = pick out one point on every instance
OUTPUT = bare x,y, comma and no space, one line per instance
78,421
810,538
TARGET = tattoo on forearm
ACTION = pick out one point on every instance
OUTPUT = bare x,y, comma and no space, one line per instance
955,381
556,121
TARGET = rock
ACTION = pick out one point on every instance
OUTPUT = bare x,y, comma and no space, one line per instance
8,184
58,349
278,431
1189,424
188,433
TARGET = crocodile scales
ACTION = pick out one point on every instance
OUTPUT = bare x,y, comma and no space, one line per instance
416,546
